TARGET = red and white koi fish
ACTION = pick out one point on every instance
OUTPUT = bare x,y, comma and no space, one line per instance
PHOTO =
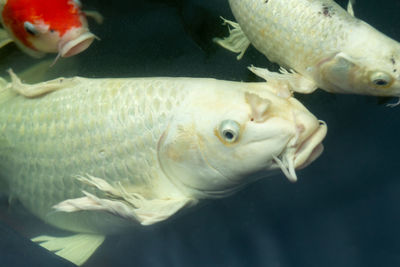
41,26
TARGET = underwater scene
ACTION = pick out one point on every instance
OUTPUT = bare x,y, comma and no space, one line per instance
146,163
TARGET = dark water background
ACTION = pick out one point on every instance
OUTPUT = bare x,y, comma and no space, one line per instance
343,211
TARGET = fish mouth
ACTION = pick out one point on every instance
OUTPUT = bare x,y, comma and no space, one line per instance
77,45
302,154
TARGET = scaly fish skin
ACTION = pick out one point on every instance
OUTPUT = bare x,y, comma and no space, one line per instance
159,137
323,43
106,128
95,156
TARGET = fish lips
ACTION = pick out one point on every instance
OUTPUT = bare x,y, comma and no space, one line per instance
301,154
311,148
76,45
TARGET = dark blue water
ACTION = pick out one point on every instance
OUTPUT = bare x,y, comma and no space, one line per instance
343,211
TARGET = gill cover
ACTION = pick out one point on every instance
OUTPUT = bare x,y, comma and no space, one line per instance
337,72
203,157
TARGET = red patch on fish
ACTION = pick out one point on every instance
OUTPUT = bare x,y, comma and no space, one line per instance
59,15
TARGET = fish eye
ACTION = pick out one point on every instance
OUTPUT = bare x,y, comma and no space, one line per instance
381,79
30,28
229,131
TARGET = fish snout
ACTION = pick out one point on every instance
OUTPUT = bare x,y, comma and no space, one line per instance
75,41
304,147
308,140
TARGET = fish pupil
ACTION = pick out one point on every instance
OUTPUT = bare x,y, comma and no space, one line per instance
228,135
229,131
30,31
380,82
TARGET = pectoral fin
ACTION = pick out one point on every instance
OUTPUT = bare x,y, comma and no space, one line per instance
236,42
117,201
285,80
38,89
4,38
76,249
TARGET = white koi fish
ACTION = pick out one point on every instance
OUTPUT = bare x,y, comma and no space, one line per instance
93,156
319,43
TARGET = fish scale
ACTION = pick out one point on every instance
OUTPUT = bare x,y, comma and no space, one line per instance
69,127
95,156
291,44
318,44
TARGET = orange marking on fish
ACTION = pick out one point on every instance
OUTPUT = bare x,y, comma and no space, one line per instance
59,15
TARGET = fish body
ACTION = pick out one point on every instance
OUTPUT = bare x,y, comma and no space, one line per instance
323,44
40,26
98,155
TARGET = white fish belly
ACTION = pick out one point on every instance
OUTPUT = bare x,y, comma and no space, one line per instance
294,33
105,128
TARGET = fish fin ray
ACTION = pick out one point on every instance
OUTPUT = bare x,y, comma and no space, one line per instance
286,80
350,5
119,202
236,42
38,89
76,248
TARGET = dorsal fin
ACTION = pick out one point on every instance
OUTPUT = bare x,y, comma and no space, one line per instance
350,7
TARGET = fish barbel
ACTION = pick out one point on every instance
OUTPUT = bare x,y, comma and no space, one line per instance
94,156
319,44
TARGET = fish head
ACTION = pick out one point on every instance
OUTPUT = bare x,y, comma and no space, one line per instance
370,65
51,27
225,139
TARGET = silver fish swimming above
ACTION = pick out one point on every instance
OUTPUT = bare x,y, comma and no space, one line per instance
94,156
318,44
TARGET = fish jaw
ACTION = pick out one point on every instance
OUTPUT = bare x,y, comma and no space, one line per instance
311,148
75,41
305,147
